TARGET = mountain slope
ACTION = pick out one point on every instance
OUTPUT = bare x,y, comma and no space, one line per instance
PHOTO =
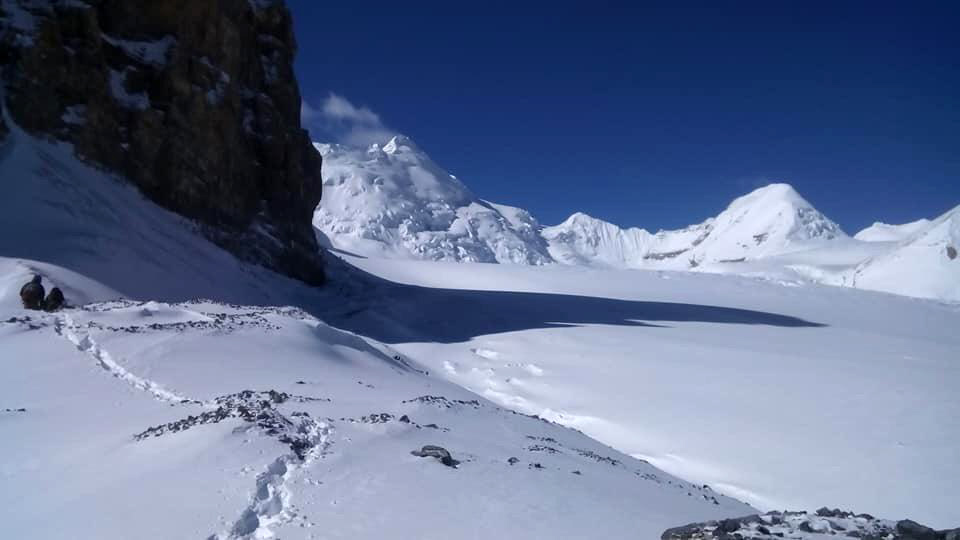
883,232
925,264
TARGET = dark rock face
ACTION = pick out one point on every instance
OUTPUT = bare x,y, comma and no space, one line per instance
194,101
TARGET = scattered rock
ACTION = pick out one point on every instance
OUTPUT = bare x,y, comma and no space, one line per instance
825,521
951,252
911,530
835,513
443,402
297,430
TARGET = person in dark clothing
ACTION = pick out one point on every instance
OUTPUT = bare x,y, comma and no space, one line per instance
32,293
54,300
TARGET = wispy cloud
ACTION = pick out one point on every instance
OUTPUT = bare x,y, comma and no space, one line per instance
339,120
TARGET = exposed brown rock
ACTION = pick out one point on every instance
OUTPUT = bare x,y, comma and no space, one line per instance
194,101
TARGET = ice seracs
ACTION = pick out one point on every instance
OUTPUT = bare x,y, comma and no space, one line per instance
394,201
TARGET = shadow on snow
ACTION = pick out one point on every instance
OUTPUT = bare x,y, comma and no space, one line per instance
396,313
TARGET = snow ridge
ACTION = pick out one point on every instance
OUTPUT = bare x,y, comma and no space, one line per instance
924,264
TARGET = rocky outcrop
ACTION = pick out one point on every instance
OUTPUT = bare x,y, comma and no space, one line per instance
808,525
194,101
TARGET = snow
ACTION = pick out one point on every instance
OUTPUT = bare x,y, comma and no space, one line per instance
785,397
883,232
395,201
75,114
924,264
99,439
130,100
153,52
140,413
146,411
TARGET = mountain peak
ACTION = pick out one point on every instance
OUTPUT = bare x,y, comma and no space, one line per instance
398,142
771,193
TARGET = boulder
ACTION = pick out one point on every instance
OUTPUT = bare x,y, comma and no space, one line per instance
438,452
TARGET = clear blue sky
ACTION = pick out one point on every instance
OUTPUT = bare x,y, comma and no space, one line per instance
658,114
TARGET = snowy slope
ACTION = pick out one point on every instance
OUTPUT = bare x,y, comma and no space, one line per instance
395,201
131,419
883,232
144,413
925,264
57,210
785,397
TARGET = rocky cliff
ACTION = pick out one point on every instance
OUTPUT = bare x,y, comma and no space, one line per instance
194,101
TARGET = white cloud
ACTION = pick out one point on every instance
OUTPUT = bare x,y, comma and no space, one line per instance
339,120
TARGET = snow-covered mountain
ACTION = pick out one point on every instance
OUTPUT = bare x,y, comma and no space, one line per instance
772,220
393,200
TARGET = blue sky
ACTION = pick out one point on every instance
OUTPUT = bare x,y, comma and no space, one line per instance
653,114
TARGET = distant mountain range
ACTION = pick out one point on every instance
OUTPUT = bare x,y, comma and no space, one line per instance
394,201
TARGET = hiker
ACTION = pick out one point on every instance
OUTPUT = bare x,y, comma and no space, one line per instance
54,300
31,294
